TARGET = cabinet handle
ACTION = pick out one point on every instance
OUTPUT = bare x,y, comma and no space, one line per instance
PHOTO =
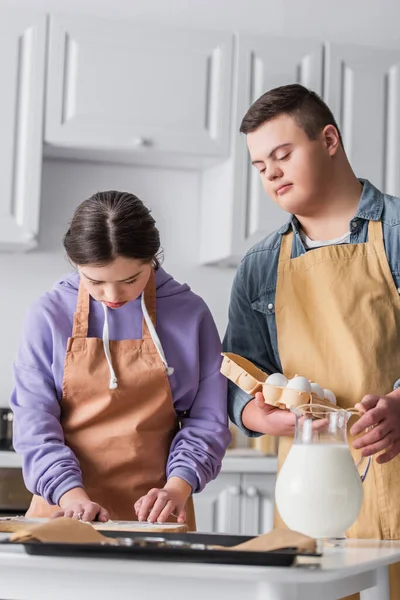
141,142
234,490
252,492
28,236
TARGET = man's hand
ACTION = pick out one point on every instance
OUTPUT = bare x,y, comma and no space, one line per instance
267,419
159,503
382,413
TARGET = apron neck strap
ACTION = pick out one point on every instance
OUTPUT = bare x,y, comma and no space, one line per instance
81,316
375,233
150,302
286,246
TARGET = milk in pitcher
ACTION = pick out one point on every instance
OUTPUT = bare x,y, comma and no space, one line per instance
319,491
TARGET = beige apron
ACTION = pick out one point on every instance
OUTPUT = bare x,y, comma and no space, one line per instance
120,437
338,321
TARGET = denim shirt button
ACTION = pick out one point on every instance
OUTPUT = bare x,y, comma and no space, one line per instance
270,306
398,289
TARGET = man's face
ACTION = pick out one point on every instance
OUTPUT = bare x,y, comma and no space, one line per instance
294,170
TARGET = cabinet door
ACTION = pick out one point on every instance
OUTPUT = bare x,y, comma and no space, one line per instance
257,507
236,212
119,86
22,66
218,506
362,88
265,64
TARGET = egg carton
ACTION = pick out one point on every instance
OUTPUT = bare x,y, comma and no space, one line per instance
251,380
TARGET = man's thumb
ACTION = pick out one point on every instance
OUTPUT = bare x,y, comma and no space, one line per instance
368,402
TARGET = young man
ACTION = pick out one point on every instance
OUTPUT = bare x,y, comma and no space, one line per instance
320,297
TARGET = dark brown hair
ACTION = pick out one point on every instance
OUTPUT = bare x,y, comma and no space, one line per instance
305,106
111,224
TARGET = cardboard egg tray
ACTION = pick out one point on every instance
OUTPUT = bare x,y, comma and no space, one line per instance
250,379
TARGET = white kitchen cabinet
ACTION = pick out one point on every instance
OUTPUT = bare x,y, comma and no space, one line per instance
120,86
236,212
22,68
240,502
362,88
218,506
257,506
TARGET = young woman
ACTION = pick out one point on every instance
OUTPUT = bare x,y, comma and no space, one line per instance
119,406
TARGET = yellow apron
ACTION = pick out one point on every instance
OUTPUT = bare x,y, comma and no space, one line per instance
338,321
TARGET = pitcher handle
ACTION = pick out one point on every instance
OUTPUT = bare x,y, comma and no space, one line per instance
355,411
363,475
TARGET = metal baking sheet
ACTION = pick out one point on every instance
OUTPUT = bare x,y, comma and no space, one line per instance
281,558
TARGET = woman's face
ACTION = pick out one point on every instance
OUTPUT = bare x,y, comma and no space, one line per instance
117,283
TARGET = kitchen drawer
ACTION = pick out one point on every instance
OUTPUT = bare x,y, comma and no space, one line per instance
13,493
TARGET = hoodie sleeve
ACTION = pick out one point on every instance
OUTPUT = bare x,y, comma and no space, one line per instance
50,468
200,445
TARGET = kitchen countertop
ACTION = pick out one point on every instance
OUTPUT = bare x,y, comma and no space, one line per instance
359,565
10,459
241,460
235,461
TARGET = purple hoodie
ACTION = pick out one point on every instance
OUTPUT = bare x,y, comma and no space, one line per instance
192,347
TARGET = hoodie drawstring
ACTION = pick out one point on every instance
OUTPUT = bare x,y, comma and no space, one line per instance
106,346
154,337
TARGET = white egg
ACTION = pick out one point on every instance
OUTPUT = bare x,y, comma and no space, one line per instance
317,390
329,395
277,379
300,384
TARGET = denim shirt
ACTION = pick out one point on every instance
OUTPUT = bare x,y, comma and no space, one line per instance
251,331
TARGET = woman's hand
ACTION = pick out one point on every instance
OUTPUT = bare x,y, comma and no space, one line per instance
76,504
159,503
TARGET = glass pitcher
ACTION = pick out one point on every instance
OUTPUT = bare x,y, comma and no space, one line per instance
319,489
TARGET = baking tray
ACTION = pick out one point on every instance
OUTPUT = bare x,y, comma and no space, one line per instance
277,558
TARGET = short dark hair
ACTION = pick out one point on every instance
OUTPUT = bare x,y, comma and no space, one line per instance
111,224
308,110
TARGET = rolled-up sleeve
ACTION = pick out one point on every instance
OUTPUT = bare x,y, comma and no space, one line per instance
244,336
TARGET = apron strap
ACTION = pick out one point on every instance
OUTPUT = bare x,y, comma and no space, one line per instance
150,301
81,316
375,233
286,246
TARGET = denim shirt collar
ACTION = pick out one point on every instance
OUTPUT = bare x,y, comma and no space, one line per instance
369,209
